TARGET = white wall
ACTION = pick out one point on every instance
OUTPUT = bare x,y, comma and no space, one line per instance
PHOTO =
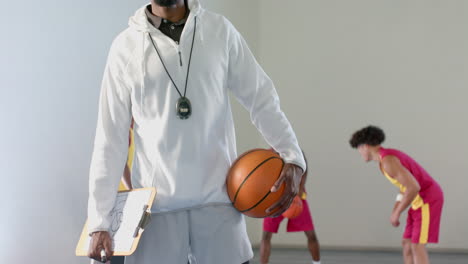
53,56
340,65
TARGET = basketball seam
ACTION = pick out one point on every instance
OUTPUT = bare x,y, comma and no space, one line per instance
266,195
261,200
248,176
229,172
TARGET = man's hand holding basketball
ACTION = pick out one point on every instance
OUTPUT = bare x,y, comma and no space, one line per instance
291,176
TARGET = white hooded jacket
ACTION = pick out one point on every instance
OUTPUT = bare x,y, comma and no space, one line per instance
186,160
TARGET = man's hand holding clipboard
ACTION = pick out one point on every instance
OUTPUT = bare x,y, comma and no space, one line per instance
100,248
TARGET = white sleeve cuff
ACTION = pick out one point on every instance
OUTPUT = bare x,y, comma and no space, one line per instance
91,231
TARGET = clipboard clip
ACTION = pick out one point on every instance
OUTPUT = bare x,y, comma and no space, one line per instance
144,221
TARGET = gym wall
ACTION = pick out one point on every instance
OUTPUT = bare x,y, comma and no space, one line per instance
341,65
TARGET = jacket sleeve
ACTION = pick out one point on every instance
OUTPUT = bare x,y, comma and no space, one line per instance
111,143
256,92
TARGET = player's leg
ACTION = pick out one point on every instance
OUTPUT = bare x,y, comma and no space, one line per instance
426,222
407,238
270,226
265,247
427,226
420,255
407,251
313,245
304,223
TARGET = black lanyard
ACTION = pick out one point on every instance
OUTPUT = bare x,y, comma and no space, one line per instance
183,107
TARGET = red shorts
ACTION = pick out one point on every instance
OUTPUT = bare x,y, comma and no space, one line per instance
422,225
301,223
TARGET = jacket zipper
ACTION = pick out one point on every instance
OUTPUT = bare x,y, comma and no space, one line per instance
180,58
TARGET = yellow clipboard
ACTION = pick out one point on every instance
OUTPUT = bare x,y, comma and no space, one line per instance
130,216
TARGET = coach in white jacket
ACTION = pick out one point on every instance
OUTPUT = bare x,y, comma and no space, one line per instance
175,86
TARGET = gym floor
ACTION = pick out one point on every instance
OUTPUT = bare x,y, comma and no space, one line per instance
301,256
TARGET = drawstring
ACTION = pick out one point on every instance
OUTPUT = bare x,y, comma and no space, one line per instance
200,29
143,61
143,73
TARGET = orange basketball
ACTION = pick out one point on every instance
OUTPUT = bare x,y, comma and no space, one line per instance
295,209
250,179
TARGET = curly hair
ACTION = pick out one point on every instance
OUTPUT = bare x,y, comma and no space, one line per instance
370,135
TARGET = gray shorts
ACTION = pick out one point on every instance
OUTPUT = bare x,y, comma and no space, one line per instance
206,235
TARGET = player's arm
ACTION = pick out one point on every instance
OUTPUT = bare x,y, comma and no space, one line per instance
302,184
126,179
398,200
302,192
395,169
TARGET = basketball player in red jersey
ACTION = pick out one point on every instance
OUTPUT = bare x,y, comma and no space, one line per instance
418,190
303,222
